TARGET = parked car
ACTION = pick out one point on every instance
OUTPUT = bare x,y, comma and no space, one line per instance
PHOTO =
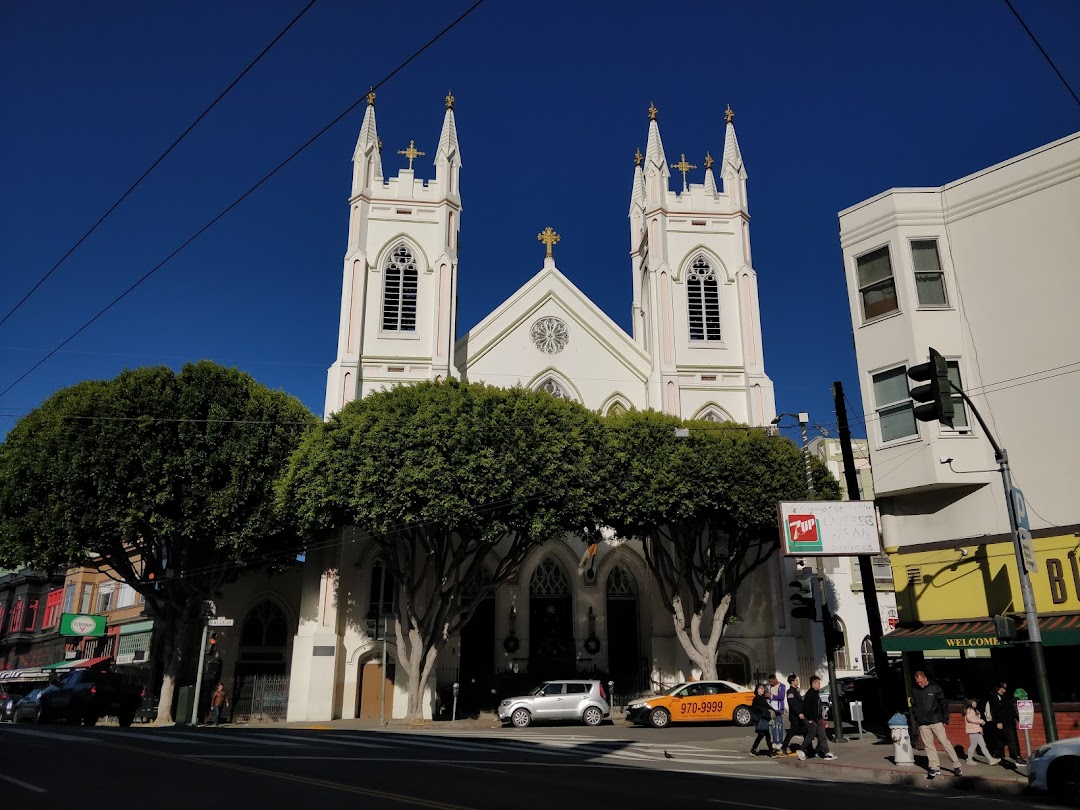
558,700
698,701
28,709
1055,767
87,695
8,699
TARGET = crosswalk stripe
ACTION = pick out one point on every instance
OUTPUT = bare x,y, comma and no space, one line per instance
137,735
50,735
420,740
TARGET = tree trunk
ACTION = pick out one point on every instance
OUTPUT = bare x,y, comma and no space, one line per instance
177,628
702,653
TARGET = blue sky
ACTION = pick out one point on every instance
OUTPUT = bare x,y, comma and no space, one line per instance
834,103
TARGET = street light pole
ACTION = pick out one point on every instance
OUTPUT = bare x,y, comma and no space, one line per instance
804,421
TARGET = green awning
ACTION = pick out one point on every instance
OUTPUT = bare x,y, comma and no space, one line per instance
1061,630
137,627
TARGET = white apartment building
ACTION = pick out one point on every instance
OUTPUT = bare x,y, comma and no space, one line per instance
985,270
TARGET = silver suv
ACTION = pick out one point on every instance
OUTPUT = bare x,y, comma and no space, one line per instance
558,700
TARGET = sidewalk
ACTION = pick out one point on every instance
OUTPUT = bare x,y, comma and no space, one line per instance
870,760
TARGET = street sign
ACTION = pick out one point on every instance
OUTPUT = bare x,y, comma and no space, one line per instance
79,624
1023,531
220,622
1026,710
828,528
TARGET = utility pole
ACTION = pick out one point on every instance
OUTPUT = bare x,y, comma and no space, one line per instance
804,419
866,563
828,629
207,611
382,618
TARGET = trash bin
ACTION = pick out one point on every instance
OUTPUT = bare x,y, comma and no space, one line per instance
901,737
184,698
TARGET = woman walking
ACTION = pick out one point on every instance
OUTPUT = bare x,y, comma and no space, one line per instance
973,725
762,714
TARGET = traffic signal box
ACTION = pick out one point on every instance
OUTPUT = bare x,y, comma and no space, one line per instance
935,395
803,605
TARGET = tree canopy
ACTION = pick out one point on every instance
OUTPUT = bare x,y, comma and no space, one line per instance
153,471
704,507
448,478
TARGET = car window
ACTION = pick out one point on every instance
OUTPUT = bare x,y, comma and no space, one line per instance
673,690
577,689
693,690
713,689
555,689
723,689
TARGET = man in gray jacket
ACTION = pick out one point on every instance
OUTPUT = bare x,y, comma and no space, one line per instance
931,712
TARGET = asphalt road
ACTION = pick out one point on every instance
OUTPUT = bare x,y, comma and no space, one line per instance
558,768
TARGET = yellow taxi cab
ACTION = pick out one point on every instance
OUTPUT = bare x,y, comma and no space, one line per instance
697,701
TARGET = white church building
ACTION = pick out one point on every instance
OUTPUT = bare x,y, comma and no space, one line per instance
694,350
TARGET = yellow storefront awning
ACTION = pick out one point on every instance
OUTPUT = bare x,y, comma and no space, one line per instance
1060,630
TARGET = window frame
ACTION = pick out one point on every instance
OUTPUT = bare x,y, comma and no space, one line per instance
54,603
701,280
385,267
915,273
859,287
878,408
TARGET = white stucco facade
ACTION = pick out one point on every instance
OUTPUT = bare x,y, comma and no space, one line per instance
984,270
694,350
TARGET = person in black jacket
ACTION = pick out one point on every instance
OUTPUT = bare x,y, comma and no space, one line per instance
931,712
1003,717
795,707
762,714
813,716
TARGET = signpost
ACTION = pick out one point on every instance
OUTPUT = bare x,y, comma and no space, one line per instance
83,625
828,528
1023,531
220,621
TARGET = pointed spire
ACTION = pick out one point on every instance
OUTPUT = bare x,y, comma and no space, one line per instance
448,150
732,162
710,181
654,149
637,193
368,145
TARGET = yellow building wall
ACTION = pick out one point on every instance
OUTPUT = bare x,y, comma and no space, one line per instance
946,585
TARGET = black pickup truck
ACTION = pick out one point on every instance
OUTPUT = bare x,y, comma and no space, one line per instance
86,695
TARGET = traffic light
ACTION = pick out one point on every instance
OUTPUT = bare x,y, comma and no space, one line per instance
1005,626
936,392
803,605
213,642
834,636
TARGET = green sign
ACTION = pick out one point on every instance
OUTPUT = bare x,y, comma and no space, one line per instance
80,624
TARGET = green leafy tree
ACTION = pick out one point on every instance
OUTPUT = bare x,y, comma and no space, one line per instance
153,472
704,508
447,478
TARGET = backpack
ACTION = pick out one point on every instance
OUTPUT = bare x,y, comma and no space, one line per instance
989,715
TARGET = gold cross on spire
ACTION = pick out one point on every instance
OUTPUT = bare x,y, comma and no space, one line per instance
638,157
449,100
684,167
652,111
371,97
412,153
709,160
549,238
729,116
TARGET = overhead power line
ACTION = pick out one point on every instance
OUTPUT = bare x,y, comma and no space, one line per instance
240,199
1042,50
154,165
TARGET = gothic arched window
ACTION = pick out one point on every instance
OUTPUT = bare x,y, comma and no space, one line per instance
703,301
553,388
265,626
621,585
549,579
399,291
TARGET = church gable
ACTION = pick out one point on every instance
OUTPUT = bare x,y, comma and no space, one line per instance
548,335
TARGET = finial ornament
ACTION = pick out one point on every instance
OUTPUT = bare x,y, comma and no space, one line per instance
449,100
371,97
709,160
412,153
549,238
729,116
684,167
652,111
638,157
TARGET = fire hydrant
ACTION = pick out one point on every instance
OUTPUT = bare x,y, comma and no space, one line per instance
902,753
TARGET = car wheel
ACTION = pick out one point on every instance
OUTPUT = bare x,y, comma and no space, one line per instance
592,716
125,720
521,718
659,718
90,720
742,716
1063,779
39,716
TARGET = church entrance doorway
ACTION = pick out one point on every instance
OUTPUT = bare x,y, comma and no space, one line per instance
371,685
551,622
624,650
477,656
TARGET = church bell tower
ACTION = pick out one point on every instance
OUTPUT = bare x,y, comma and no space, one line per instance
399,281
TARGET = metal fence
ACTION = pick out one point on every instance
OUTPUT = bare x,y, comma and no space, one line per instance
258,697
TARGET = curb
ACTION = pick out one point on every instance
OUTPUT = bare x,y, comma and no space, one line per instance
916,776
